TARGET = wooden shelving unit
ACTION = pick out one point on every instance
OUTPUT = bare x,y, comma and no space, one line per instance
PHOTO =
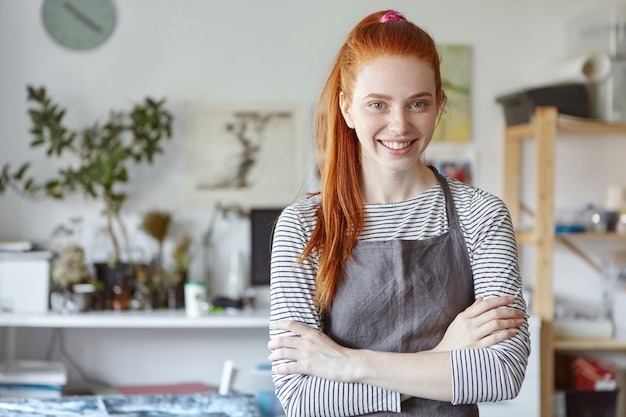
544,129
589,344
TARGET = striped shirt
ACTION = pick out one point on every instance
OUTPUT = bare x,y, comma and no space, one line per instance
479,375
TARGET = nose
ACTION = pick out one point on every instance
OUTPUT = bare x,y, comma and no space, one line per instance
398,121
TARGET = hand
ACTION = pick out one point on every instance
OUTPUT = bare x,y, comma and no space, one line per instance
311,351
483,324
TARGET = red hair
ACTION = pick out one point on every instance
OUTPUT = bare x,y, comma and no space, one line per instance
340,217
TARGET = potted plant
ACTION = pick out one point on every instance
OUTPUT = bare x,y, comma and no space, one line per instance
101,155
182,256
155,224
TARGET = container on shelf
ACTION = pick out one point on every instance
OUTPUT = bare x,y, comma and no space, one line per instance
607,102
32,379
24,281
580,403
195,298
569,99
619,313
620,227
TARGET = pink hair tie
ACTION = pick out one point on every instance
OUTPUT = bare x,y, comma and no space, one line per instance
392,16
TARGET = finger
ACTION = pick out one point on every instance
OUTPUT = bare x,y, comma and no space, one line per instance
287,368
283,354
500,324
500,317
502,313
492,308
293,326
482,305
497,337
285,342
496,302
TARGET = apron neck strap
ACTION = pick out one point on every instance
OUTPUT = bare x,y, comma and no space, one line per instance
453,220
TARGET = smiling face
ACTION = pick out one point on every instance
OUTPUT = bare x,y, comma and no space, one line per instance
393,109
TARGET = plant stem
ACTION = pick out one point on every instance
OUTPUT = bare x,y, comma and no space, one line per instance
109,212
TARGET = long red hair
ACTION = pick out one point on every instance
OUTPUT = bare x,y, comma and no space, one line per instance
340,217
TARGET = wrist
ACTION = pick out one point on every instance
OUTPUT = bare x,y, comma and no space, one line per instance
360,368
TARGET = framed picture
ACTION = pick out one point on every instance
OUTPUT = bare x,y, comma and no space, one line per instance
455,124
454,160
249,154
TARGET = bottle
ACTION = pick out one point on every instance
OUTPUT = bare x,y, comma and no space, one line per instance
620,227
597,221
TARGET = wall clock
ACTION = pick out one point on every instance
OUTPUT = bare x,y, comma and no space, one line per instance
79,24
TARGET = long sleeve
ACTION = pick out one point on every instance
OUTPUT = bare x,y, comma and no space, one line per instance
496,373
292,291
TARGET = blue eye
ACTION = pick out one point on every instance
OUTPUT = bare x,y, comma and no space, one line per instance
418,104
377,105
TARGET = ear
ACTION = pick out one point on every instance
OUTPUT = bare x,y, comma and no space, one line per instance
344,105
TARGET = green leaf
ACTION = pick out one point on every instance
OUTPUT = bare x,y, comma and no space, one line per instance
37,142
20,172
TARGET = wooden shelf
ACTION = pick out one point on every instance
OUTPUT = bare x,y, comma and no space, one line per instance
544,128
567,125
593,236
589,344
525,236
156,319
530,237
575,125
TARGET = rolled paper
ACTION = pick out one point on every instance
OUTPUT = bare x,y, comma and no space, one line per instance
584,69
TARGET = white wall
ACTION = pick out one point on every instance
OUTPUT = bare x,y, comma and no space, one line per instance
241,50
250,50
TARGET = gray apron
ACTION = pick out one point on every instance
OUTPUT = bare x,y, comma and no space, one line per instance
401,296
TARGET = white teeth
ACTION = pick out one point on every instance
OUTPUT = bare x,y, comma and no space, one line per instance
395,145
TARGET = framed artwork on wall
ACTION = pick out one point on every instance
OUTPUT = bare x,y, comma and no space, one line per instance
249,154
454,160
455,124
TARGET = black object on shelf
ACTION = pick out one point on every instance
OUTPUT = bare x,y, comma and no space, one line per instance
569,99
591,403
226,302
261,230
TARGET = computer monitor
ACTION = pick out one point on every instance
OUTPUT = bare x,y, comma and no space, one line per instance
262,222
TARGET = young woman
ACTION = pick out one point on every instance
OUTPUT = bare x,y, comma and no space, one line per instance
395,289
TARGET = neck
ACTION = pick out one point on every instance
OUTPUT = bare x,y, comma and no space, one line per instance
397,187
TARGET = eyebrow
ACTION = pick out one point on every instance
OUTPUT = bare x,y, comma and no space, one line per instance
386,97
